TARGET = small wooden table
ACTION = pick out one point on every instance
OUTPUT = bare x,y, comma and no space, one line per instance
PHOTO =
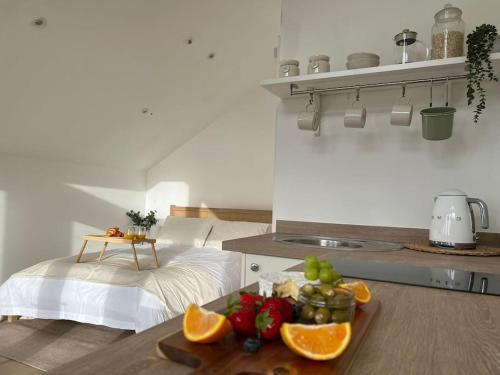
117,240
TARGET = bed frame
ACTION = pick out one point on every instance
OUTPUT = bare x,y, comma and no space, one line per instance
230,214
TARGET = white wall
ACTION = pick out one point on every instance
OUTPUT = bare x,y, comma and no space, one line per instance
230,163
47,206
380,175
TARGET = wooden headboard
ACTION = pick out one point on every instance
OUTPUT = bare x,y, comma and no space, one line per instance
230,214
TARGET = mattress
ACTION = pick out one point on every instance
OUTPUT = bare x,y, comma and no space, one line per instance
114,294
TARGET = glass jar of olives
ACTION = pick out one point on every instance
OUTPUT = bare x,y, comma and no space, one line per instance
321,304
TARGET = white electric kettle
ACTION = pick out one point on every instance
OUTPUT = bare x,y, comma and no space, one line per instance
453,220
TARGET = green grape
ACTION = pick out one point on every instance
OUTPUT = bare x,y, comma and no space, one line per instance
311,261
325,264
326,276
311,274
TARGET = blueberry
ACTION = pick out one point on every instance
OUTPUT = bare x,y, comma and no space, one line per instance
251,345
296,312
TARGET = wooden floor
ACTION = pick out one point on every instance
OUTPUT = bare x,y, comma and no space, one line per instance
10,367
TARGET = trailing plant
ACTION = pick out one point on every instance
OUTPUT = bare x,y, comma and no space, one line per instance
147,221
479,45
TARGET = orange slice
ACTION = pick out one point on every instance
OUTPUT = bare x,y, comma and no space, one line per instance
360,290
319,342
204,326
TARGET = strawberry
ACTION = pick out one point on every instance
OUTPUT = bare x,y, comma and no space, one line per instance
268,324
243,321
271,303
242,317
287,310
280,304
251,299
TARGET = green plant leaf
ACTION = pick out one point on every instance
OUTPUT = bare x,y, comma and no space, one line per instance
479,45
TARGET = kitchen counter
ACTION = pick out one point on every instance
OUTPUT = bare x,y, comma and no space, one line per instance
417,331
265,245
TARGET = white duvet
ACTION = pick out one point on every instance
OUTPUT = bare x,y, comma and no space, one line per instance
114,294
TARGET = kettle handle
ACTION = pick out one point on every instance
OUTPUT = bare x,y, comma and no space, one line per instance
483,209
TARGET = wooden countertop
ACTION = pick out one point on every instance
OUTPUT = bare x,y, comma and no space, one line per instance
417,331
264,245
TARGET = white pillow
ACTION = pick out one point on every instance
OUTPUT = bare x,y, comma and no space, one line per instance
229,230
184,231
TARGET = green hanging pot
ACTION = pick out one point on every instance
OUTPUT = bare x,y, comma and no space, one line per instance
437,123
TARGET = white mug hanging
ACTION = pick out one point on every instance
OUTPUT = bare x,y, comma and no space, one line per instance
355,117
402,112
309,120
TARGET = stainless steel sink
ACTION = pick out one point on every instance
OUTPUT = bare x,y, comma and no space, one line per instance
334,243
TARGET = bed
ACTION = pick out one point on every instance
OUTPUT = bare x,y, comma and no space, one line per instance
193,269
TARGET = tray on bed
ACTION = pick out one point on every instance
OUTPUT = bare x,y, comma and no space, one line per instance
117,240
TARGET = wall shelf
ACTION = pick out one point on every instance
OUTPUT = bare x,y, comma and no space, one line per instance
379,74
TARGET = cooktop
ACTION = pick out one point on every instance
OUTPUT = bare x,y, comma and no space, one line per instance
433,277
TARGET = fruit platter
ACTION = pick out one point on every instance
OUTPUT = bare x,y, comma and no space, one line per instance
315,328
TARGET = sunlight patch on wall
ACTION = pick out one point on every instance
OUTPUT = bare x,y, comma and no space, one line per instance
167,193
117,197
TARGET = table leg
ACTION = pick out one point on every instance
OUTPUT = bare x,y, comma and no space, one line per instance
135,257
12,318
102,251
156,257
81,251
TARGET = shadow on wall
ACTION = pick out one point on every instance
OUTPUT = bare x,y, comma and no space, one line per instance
172,193
43,216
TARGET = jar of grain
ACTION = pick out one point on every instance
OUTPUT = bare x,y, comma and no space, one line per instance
318,64
448,33
289,68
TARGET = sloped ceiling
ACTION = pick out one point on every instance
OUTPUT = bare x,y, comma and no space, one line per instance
75,89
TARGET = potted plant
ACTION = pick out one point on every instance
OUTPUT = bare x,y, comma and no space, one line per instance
480,43
147,221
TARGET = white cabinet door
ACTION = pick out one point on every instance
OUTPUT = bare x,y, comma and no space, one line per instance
255,265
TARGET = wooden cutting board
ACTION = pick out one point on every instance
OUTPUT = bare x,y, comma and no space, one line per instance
227,356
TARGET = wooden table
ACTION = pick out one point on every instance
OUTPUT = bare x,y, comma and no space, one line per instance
117,240
417,331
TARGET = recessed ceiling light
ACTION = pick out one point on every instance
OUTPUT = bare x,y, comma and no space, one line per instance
39,22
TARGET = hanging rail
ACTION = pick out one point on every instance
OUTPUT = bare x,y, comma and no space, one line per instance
294,91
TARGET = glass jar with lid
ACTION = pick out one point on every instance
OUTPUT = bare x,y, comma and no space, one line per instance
321,304
448,33
408,48
318,64
289,68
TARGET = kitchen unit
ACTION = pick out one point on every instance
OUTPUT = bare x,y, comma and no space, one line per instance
253,265
418,330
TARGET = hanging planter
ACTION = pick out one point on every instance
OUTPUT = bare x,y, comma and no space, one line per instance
437,122
480,43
